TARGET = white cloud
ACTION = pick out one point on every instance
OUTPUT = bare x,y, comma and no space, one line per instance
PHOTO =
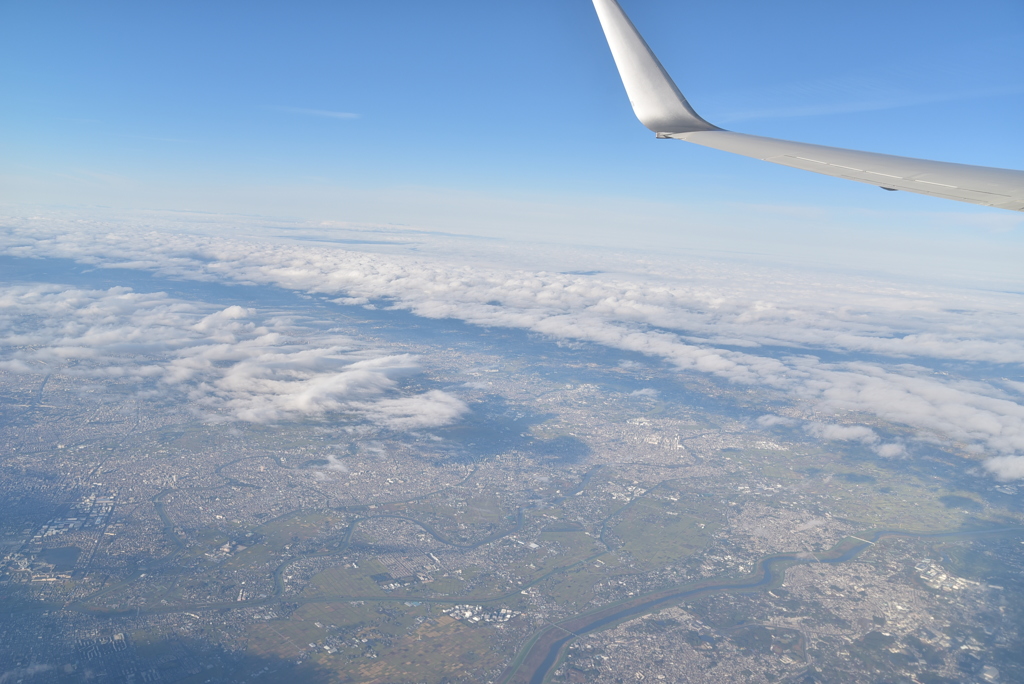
1017,387
967,412
859,346
223,319
890,450
336,464
1006,467
432,409
231,363
769,420
845,433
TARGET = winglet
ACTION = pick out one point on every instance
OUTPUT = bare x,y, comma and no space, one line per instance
656,100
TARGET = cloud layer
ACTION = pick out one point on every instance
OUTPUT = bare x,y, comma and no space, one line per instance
231,363
830,344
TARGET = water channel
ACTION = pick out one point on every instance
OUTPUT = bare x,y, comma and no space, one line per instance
544,651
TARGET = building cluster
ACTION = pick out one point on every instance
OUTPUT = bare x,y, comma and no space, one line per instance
474,614
934,576
93,511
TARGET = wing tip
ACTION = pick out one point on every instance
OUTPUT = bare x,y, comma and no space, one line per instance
656,100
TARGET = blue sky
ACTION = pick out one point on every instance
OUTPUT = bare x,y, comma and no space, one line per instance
504,118
120,123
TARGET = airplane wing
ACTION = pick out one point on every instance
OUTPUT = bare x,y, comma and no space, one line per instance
660,106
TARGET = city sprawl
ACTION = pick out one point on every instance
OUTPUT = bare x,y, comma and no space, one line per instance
505,507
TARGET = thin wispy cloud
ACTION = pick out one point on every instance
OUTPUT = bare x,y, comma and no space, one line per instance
852,98
75,119
326,113
156,138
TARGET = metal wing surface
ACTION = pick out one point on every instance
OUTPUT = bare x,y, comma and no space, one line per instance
661,107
